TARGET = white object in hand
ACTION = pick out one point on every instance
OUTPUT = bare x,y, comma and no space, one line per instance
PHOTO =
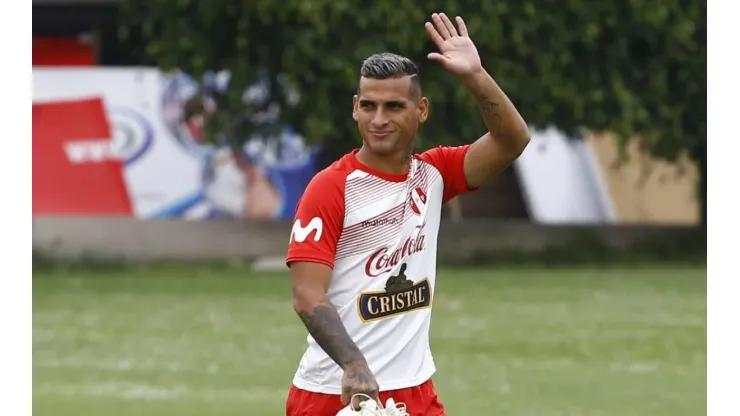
370,407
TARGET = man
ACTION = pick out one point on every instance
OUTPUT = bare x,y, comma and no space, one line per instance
363,249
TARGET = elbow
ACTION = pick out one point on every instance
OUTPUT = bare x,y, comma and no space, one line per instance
524,140
305,299
522,137
299,300
515,143
514,140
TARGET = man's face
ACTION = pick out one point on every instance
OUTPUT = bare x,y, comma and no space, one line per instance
388,113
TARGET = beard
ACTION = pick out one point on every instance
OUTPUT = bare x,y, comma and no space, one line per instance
387,146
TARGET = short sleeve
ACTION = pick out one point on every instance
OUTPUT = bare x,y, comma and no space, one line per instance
450,162
318,220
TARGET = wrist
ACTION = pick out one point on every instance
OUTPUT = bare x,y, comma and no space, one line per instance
360,362
474,78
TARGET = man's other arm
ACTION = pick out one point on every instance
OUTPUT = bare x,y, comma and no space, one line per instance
310,283
311,255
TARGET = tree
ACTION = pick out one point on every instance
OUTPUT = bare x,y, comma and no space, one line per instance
634,68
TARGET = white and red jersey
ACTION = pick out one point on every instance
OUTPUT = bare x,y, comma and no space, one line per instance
379,234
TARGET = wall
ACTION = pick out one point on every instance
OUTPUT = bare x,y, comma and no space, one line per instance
646,190
135,240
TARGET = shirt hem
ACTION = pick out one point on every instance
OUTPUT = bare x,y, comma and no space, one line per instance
309,259
306,385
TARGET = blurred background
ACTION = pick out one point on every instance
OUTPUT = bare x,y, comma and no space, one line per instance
172,140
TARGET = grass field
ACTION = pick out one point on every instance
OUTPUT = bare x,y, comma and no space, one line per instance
197,341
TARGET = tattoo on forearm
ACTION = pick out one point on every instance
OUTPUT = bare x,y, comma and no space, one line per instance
326,327
491,114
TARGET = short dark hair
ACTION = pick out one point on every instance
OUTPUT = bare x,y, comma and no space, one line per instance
387,65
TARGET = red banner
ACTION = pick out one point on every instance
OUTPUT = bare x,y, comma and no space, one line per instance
61,52
74,169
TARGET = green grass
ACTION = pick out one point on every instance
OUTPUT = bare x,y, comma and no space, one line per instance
197,341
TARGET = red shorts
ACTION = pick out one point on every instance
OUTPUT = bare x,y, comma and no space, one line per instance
421,400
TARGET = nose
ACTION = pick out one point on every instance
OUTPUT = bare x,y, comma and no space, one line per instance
380,119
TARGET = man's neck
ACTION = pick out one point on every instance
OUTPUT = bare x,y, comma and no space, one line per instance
392,164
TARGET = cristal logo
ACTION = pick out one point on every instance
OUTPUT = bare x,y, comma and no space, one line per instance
383,261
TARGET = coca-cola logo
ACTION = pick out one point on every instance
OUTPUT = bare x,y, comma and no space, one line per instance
383,260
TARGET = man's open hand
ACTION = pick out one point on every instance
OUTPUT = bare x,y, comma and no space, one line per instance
457,53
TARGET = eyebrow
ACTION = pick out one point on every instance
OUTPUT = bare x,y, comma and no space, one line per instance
365,101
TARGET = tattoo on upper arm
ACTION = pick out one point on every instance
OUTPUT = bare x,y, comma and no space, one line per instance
326,327
491,114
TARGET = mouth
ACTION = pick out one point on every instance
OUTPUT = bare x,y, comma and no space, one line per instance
381,134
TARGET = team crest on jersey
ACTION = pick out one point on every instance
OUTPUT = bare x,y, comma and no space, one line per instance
401,295
418,200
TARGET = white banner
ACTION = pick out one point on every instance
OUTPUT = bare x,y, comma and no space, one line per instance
561,181
157,127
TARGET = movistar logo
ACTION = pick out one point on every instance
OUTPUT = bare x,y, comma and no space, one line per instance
300,233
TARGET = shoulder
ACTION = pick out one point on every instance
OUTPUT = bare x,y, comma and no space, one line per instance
449,161
441,156
332,178
327,187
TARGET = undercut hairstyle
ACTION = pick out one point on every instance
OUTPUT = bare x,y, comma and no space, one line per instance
388,65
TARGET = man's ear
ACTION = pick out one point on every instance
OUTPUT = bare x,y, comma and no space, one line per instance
354,107
423,109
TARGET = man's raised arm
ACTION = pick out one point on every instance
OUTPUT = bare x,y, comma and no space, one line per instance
508,133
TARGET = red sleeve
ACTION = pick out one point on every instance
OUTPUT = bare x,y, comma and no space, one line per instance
318,220
450,162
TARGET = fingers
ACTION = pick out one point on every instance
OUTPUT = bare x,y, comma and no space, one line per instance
436,57
434,35
345,396
461,26
448,24
441,26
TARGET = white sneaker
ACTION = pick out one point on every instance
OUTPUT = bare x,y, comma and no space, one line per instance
371,408
395,409
367,408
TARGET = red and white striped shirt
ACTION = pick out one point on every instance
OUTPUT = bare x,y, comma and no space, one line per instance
379,234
